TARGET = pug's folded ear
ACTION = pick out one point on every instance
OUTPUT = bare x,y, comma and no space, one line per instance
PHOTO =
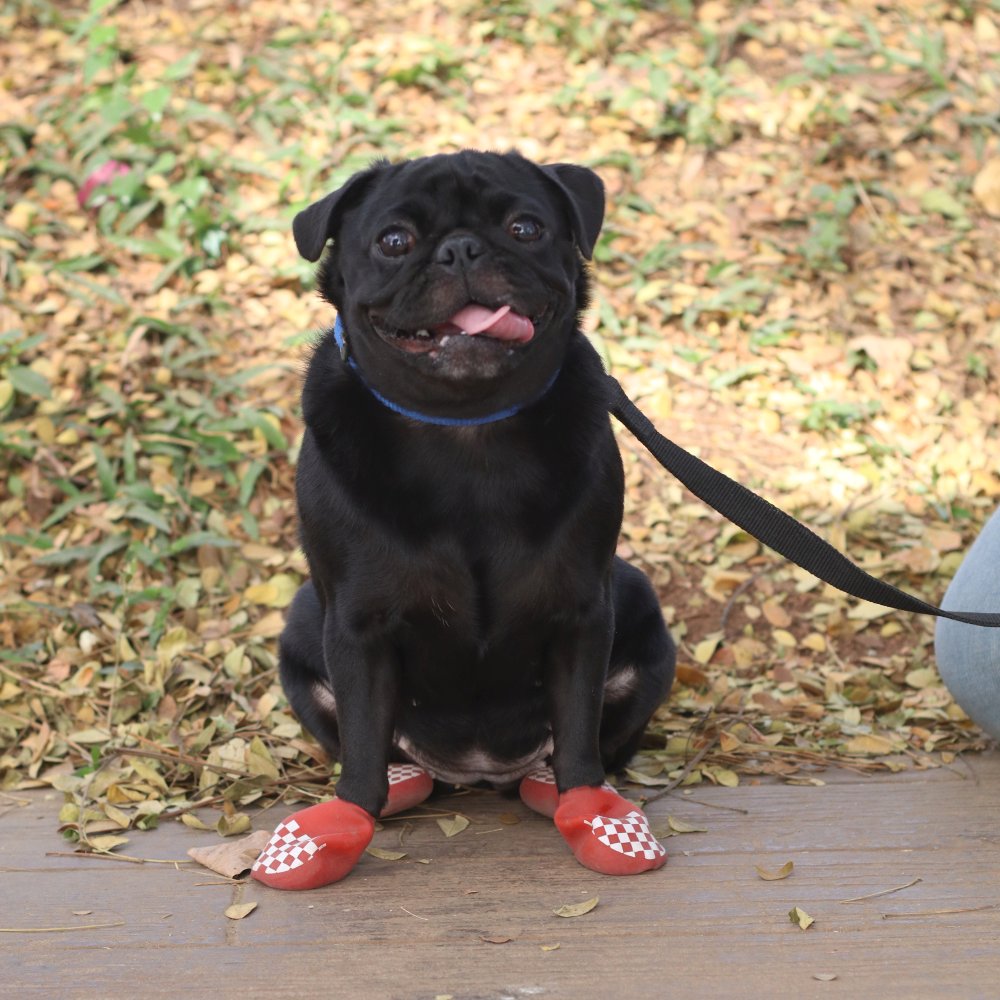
314,225
584,191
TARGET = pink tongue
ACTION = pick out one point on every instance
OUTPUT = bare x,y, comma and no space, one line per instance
501,324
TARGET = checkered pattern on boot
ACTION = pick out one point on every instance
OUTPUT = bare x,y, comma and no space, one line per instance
607,833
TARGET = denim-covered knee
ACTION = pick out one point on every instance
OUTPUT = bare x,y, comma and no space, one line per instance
968,656
968,660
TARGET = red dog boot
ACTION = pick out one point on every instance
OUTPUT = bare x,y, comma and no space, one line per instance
538,791
315,846
607,833
409,785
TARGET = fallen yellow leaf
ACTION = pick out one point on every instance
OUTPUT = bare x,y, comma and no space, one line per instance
275,593
986,187
451,826
705,650
240,910
577,909
679,826
775,876
231,826
869,744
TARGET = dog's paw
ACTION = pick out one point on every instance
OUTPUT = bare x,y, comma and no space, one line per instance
607,833
315,846
409,785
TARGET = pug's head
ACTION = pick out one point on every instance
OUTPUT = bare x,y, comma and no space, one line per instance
459,278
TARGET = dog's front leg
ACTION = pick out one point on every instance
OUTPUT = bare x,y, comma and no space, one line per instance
363,673
606,833
321,844
576,668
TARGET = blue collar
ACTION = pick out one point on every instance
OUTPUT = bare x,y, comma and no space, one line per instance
427,418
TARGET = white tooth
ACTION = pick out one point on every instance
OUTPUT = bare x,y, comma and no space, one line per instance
445,339
465,333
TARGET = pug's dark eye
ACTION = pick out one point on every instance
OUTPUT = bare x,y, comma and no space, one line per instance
526,229
396,242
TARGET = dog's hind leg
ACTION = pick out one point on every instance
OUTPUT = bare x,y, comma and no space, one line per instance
303,670
641,668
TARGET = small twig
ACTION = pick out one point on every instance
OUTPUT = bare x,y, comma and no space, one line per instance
52,930
430,814
175,758
716,805
943,913
417,915
883,892
688,768
867,202
973,774
200,804
46,688
13,798
741,589
108,856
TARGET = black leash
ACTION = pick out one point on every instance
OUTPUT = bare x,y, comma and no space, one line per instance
772,526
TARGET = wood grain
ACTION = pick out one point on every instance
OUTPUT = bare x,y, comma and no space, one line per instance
705,926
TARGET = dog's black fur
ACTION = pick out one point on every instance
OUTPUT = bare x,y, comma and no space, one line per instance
466,609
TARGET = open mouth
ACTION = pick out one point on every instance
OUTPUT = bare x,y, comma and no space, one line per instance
502,326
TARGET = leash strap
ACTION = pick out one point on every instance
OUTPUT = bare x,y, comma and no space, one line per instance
768,524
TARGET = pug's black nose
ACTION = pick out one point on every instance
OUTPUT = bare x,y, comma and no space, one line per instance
458,251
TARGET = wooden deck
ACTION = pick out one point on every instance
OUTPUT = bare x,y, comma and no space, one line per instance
705,926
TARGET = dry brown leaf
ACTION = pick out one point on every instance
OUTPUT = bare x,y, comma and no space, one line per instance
384,855
729,743
776,614
691,676
232,857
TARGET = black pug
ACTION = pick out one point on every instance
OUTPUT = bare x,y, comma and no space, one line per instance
460,495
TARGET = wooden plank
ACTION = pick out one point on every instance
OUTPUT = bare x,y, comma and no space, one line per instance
705,925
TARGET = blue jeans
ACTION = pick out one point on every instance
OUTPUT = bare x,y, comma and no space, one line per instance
968,657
